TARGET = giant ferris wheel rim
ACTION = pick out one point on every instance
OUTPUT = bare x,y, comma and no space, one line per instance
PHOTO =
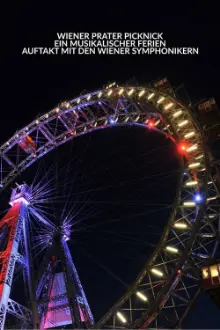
148,103
73,105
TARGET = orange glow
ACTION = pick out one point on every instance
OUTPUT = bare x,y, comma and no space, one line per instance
214,271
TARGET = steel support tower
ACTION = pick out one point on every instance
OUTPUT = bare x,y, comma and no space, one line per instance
57,287
14,225
60,295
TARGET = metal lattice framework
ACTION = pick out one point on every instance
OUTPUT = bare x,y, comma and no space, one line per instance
43,299
164,291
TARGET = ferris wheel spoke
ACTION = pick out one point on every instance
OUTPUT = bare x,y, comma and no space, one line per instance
117,278
45,221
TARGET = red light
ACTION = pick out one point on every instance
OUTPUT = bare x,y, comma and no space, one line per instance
151,123
182,147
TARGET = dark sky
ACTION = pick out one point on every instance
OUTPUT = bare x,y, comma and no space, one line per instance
35,84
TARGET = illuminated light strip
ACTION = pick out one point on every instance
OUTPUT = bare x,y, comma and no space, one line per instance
95,124
203,169
111,85
161,99
150,96
189,135
141,296
89,97
75,113
183,123
109,92
211,216
168,106
180,225
126,119
47,115
204,256
105,122
78,101
210,182
166,127
177,114
136,119
208,235
211,198
131,92
121,91
172,249
193,165
57,110
199,157
157,122
141,93
99,94
156,272
121,317
191,183
193,147
189,203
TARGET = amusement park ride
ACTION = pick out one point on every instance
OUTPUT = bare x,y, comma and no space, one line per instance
187,258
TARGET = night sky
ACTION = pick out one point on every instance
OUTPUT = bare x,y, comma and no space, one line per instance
116,170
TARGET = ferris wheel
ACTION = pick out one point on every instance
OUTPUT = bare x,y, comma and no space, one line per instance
164,291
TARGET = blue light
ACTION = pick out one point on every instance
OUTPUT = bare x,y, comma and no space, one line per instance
111,121
198,198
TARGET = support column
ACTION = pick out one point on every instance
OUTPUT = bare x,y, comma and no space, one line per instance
14,220
71,290
31,282
72,269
